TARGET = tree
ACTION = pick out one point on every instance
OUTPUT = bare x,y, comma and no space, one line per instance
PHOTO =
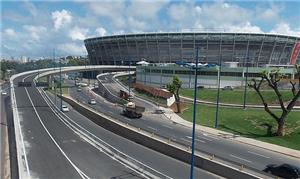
174,89
272,80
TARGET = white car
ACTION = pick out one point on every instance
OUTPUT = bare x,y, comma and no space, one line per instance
4,93
92,101
64,108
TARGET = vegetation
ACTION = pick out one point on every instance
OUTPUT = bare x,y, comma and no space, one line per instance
18,67
174,88
150,97
253,123
272,80
236,96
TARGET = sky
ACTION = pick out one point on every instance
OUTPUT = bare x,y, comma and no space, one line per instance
38,28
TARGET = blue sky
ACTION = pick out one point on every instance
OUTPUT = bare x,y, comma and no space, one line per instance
35,28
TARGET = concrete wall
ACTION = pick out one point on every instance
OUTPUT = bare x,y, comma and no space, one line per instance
159,145
159,80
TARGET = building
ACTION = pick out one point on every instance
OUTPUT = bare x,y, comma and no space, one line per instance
256,50
23,59
159,75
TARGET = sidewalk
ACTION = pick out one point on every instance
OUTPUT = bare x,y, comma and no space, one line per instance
272,147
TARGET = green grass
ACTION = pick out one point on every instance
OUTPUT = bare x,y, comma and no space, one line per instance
64,89
236,96
253,123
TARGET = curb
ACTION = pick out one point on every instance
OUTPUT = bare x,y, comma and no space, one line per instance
240,141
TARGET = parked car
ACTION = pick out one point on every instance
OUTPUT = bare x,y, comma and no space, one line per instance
79,89
92,101
200,87
285,171
227,88
4,93
64,108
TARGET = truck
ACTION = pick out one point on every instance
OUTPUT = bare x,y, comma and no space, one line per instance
131,110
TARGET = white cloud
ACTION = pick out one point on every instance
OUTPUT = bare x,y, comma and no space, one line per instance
71,49
31,8
111,9
180,12
136,24
101,31
284,28
223,14
78,33
269,14
60,18
244,27
10,32
145,9
35,31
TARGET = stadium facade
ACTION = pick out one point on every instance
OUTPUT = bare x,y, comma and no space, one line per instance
256,50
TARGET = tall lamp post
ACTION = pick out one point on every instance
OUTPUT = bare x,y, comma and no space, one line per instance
195,110
194,119
129,79
246,82
218,96
60,81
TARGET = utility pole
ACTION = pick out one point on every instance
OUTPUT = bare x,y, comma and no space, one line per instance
194,119
60,81
246,82
218,93
55,82
129,79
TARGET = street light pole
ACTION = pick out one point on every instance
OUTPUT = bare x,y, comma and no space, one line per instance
55,82
194,119
129,78
60,83
218,96
246,82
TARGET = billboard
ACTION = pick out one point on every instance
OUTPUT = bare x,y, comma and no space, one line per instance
295,53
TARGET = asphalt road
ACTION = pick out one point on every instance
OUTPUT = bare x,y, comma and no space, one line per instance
53,150
227,149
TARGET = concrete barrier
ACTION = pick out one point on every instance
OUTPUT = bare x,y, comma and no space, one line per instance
160,145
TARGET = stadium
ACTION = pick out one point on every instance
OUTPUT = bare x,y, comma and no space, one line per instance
256,50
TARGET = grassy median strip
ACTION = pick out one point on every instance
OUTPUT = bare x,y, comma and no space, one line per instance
235,96
252,123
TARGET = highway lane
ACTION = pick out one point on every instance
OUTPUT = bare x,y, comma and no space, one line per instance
160,162
228,149
91,161
55,151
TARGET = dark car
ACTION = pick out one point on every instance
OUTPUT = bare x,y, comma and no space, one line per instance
227,88
285,171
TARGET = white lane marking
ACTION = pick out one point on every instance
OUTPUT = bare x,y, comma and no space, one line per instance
185,140
62,116
202,141
152,128
261,155
240,158
64,154
211,136
127,119
205,138
21,135
167,126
